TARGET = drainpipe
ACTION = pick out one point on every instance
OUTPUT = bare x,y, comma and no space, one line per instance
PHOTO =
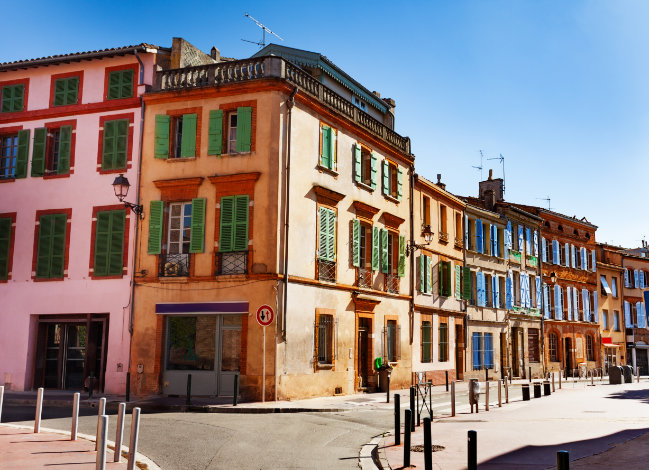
289,105
412,255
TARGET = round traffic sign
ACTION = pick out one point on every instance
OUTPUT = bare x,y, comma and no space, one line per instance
265,315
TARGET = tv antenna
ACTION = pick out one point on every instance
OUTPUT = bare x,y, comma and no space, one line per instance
264,29
502,162
479,167
547,198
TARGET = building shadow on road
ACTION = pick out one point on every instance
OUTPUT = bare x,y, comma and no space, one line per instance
531,457
639,395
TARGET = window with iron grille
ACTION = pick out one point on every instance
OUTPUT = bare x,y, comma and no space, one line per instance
443,342
175,262
553,347
326,244
427,339
325,339
391,343
590,350
8,154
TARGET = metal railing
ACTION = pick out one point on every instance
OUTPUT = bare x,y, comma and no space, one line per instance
392,283
274,67
176,265
364,278
235,262
327,270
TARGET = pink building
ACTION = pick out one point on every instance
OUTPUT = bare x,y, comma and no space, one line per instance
68,125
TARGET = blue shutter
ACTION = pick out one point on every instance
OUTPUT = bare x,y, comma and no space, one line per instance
569,302
546,300
585,303
626,277
627,315
479,286
528,241
494,291
595,307
573,256
466,231
476,351
536,243
544,251
555,252
635,278
521,240
538,291
567,253
642,279
521,286
594,259
557,302
582,252
508,291
478,236
488,351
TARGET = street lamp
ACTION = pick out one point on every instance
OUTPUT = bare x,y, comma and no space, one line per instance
553,277
427,233
121,186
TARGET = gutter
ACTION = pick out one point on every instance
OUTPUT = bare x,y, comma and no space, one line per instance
412,255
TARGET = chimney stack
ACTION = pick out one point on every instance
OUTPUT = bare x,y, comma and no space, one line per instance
439,181
491,190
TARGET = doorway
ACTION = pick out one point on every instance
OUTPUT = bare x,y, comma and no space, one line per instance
518,363
459,348
364,351
567,354
641,361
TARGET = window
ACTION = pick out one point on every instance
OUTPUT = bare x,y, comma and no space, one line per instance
5,246
234,228
590,350
325,341
8,155
553,347
50,258
604,286
120,84
488,351
175,136
230,130
533,344
365,166
425,274
393,259
426,338
391,351
326,244
470,229
445,279
66,91
477,351
115,144
359,103
365,245
443,342
443,226
392,184
616,320
109,243
328,139
13,98
425,210
189,338
458,229
52,151
605,319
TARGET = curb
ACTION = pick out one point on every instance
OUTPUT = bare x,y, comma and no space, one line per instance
139,458
369,458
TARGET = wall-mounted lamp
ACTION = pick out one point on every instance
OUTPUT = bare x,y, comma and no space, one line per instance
121,186
553,277
427,233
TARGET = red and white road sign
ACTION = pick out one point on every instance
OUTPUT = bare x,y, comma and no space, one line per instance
265,315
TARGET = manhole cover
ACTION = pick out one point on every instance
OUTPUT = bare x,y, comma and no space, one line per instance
436,448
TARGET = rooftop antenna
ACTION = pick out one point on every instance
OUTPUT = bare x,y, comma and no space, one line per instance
547,198
479,167
264,29
502,162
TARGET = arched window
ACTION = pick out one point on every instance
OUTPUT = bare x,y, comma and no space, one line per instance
553,347
590,350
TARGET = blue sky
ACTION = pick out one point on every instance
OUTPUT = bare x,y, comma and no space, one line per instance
561,89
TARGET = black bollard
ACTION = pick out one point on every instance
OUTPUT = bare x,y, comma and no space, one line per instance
91,385
430,399
486,374
472,454
537,389
235,397
189,390
418,411
397,419
563,460
128,386
526,392
388,391
530,374
412,407
428,446
406,440
446,380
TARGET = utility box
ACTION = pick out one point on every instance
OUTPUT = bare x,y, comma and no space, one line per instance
615,376
628,374
474,394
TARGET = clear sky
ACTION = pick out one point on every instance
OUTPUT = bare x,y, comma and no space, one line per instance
560,88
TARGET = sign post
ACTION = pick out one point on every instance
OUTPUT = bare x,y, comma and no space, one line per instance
265,316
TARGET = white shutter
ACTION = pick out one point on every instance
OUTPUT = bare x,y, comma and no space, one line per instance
569,301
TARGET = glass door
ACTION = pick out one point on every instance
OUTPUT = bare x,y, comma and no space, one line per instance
75,355
230,352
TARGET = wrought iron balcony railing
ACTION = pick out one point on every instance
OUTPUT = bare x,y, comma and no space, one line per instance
235,262
176,265
327,270
392,283
365,278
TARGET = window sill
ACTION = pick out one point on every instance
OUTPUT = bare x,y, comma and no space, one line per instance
118,170
55,176
391,198
364,186
181,159
173,280
7,180
320,366
324,169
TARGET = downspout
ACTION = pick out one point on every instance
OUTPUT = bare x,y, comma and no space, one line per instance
289,105
412,255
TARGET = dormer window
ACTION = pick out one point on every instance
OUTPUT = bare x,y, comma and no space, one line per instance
359,103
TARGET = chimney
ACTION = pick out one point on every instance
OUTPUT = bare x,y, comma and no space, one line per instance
215,54
494,186
439,181
377,94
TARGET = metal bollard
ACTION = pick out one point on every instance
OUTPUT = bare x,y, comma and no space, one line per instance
430,399
506,391
406,440
446,380
486,396
526,392
428,446
388,391
102,411
637,380
132,446
2,394
397,419
91,385
101,443
553,382
188,400
592,379
128,386
417,411
75,417
486,374
500,393
452,398
412,408
119,432
530,373
472,451
563,460
235,397
559,380
39,410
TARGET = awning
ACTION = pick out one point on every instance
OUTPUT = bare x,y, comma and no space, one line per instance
605,286
204,308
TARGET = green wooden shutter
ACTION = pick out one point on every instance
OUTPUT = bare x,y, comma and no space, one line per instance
399,183
65,145
440,269
188,140
384,250
331,235
325,154
50,259
23,154
226,224
13,98
458,277
428,265
446,267
162,125
121,139
7,98
386,178
197,236
156,215
44,254
19,98
244,128
357,163
59,92
72,92
215,133
374,170
356,242
322,233
126,84
241,206
116,248
402,256
332,149
38,152
422,274
114,85
109,146
375,248
5,245
466,283
57,264
102,243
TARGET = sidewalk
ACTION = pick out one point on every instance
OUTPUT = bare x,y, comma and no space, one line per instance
596,424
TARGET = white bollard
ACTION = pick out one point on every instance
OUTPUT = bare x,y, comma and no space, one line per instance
135,431
119,433
453,398
75,417
39,410
486,395
2,394
102,411
101,440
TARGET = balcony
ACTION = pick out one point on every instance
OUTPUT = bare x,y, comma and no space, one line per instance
326,270
458,243
392,283
176,265
231,263
238,71
443,237
364,278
